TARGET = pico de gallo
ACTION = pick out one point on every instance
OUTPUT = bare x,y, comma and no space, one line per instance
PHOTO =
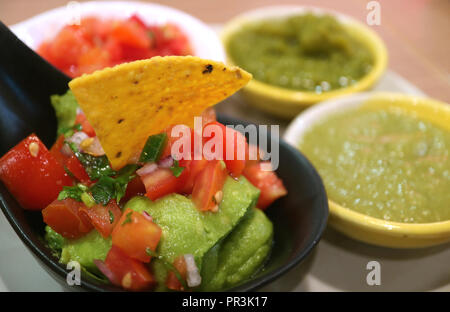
159,224
96,43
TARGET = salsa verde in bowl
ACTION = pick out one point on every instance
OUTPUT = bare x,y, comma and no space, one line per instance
385,164
302,55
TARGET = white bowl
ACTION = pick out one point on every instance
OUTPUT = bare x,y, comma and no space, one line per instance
39,28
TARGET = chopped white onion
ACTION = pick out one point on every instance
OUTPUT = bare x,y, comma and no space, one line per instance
147,169
77,138
166,162
66,151
193,277
95,148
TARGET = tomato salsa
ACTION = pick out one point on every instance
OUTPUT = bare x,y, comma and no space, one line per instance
97,43
157,224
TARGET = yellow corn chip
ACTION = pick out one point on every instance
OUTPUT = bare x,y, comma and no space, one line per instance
129,102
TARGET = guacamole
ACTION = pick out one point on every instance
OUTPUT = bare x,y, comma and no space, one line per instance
304,53
384,163
186,230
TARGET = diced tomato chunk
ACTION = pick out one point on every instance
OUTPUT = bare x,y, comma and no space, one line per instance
193,168
270,185
76,168
231,139
162,182
65,218
85,125
32,174
126,272
134,188
131,33
55,150
172,281
103,218
207,192
134,233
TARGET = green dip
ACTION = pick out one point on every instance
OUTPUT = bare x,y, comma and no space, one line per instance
385,163
305,53
236,240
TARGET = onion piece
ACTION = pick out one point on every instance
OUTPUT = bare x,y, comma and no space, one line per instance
95,148
77,138
147,169
193,277
147,216
166,162
106,271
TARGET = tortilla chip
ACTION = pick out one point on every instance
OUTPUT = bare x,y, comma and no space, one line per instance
129,102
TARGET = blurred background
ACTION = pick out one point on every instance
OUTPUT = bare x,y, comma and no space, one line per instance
416,32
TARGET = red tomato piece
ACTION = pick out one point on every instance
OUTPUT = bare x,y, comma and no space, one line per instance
65,218
162,182
250,152
32,174
127,272
131,33
134,233
55,150
182,141
172,281
207,192
235,159
85,125
193,168
134,188
76,168
270,185
103,218
94,59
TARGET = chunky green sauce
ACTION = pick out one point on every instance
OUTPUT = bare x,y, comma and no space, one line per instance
383,163
305,52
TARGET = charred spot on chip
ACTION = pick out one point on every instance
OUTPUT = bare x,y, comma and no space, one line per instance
135,82
118,154
208,69
224,69
120,120
238,74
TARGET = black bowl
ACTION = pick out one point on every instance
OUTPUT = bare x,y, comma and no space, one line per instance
299,220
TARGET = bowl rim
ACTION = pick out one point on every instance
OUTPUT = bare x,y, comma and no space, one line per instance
57,269
303,122
192,26
295,98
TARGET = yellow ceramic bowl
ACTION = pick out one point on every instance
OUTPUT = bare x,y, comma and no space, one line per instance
360,226
286,103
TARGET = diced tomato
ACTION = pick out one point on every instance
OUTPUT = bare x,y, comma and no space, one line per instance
138,20
134,188
172,281
68,46
95,30
32,174
126,272
94,59
252,151
65,218
76,168
131,33
208,116
235,159
182,140
207,191
270,185
193,168
114,49
134,233
55,150
162,182
103,218
85,125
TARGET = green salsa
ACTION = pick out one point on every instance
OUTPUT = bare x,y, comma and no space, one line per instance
305,53
385,163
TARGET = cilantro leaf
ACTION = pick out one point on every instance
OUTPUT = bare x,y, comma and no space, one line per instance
128,218
75,192
108,188
176,169
111,217
153,147
96,167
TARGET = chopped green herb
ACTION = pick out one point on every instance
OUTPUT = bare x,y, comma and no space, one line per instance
151,253
95,167
176,169
153,147
74,192
127,218
111,217
87,199
108,188
69,172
